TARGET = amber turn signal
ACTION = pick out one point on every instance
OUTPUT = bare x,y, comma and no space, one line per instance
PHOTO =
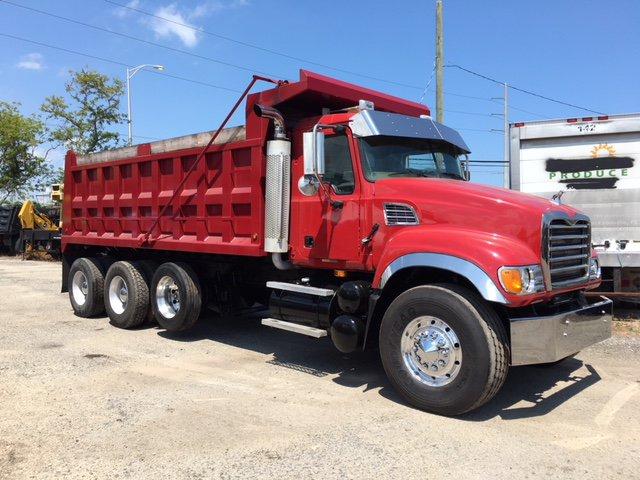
511,279
522,280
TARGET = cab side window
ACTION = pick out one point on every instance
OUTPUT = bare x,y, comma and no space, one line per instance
338,167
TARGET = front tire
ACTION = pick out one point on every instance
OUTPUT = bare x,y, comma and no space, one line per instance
176,296
443,349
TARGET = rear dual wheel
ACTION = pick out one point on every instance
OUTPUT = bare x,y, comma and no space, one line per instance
176,296
86,287
136,292
126,294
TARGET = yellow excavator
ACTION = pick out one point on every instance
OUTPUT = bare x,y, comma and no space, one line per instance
39,231
31,219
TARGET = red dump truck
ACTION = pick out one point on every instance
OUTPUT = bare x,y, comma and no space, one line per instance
349,214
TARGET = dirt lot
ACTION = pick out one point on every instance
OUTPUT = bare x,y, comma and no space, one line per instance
82,399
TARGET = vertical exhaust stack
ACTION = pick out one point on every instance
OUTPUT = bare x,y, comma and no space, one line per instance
278,189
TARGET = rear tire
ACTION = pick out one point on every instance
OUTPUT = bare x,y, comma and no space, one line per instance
176,296
126,295
86,287
443,349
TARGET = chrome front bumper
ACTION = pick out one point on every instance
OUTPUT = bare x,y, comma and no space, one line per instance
554,337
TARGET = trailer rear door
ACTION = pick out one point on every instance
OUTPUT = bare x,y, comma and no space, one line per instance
596,163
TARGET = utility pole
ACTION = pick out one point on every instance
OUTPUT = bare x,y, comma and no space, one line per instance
439,64
507,159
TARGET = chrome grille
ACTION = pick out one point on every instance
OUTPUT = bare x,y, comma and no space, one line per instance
399,214
567,249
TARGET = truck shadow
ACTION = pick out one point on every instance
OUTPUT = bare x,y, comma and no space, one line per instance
542,389
535,390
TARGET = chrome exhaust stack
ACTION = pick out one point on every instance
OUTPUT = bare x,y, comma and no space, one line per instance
277,189
276,116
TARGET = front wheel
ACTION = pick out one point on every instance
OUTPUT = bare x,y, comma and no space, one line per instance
443,349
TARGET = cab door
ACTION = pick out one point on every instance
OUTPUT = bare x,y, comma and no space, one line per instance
326,228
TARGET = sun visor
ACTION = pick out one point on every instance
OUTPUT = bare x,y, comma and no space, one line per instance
369,123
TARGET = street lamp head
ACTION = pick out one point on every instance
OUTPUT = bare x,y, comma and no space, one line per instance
159,67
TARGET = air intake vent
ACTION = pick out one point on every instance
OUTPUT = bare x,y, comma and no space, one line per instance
567,250
399,214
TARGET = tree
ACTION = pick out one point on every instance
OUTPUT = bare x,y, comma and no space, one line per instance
84,125
22,167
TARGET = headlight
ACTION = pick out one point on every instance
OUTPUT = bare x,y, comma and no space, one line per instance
522,280
594,269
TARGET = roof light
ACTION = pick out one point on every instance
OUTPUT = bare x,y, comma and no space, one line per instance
572,120
603,117
365,105
587,119
519,124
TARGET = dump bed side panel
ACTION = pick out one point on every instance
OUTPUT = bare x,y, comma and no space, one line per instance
113,202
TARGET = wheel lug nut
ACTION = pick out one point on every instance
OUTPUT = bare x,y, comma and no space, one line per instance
441,363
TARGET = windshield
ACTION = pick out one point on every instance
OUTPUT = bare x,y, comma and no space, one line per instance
393,157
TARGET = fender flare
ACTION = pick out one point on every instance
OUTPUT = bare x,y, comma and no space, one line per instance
478,277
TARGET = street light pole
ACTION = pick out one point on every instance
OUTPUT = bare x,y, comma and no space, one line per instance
130,73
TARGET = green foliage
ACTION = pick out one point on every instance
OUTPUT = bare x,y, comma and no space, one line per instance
83,124
22,169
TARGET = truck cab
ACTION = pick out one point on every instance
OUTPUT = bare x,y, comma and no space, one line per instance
349,214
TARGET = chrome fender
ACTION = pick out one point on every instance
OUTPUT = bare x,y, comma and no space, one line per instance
486,287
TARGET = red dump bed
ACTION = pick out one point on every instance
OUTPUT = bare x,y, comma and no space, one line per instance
113,198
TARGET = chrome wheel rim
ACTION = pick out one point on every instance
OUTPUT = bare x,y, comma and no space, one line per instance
431,351
168,297
79,288
118,294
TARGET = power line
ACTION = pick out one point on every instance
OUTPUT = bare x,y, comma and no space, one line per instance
479,114
479,130
529,92
257,47
486,99
424,92
228,64
141,40
116,62
511,107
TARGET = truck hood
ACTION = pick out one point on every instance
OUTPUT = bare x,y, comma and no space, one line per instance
472,206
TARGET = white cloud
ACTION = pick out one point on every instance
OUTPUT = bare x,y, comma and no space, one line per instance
171,21
178,25
211,6
31,61
122,12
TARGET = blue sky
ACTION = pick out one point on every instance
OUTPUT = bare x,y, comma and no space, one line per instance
585,53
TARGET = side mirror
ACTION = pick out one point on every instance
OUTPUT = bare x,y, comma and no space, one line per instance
313,152
465,168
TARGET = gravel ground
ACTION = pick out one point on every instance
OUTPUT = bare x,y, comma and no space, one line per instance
82,399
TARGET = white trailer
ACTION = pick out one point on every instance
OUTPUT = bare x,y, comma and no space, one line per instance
592,163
